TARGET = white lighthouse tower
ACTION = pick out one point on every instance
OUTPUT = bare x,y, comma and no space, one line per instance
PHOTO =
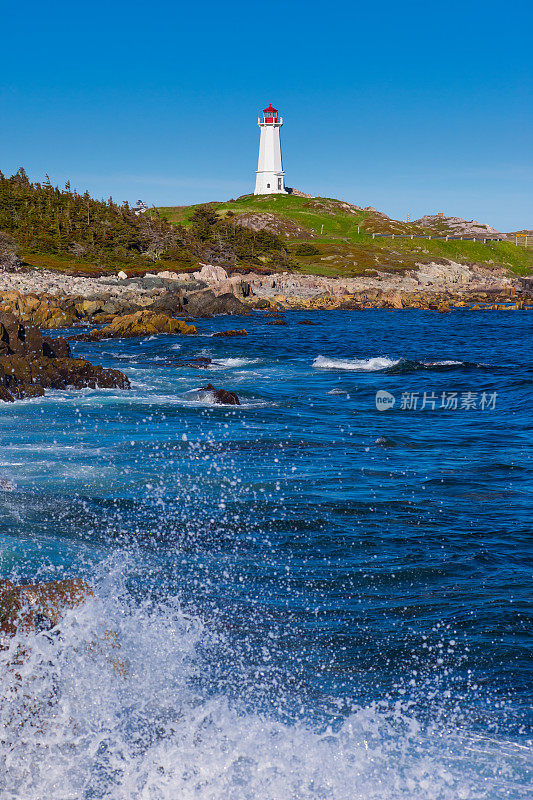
270,176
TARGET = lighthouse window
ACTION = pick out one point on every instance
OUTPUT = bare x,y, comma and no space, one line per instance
268,186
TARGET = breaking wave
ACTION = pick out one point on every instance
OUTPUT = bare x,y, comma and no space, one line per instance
390,365
115,705
228,363
374,364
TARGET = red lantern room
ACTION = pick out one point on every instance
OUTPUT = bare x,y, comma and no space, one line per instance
270,114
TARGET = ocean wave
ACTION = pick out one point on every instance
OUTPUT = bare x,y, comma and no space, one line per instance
228,363
406,365
390,365
374,364
118,706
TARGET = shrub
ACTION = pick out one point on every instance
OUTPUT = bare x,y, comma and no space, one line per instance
306,249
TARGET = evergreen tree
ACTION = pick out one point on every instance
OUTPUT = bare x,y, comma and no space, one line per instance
47,220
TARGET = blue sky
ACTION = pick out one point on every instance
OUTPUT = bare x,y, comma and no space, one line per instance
409,107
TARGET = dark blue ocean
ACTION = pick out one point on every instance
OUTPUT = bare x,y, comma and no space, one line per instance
308,597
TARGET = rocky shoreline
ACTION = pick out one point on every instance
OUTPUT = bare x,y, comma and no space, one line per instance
31,363
55,300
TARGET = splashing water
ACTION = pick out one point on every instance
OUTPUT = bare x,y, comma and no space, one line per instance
86,714
302,599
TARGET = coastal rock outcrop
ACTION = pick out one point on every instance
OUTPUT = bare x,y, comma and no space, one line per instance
17,339
31,363
39,310
141,323
457,226
210,273
207,304
53,300
28,377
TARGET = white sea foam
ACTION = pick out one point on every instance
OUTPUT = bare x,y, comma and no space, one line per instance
374,364
91,714
447,363
228,363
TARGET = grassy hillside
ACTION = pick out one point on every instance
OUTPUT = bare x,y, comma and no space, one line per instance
45,227
341,235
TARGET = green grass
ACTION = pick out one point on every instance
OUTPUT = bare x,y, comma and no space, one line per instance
345,251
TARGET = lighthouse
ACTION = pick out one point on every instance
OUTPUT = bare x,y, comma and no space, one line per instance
270,176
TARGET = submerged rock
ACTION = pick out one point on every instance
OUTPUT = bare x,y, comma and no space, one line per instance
197,362
241,332
222,396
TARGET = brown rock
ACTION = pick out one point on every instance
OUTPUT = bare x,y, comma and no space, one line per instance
11,334
102,319
87,308
207,304
53,318
42,311
395,300
26,340
37,606
242,332
55,348
141,323
30,363
6,396
222,396
26,377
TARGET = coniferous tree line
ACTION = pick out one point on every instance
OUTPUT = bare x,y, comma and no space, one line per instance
41,218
